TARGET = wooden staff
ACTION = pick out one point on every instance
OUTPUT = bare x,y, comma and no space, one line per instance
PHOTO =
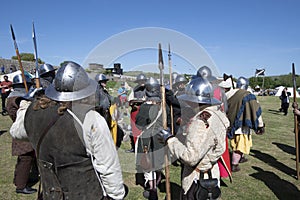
164,117
171,87
19,57
295,121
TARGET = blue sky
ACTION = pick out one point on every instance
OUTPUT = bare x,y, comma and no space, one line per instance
239,36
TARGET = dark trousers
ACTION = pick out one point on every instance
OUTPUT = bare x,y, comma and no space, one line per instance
22,169
132,142
3,98
285,107
190,195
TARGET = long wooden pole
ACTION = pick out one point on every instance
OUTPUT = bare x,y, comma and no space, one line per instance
296,121
19,57
164,117
171,87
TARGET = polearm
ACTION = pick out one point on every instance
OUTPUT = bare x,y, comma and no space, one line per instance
164,117
37,75
171,87
295,121
19,57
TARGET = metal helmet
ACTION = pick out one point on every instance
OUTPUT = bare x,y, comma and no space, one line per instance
152,90
205,72
45,68
141,77
174,76
71,83
242,83
199,90
18,79
100,77
180,79
152,84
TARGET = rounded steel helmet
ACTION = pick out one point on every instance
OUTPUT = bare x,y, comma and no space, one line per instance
174,76
205,72
100,77
71,83
180,79
18,79
199,90
242,83
45,68
152,84
140,77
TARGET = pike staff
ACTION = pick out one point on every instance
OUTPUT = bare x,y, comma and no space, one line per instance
37,75
295,121
19,57
171,87
164,117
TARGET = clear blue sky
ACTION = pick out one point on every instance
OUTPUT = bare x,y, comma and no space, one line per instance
240,36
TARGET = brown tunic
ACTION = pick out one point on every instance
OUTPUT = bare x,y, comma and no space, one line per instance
19,147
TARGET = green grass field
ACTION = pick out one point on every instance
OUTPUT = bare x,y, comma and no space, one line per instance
270,172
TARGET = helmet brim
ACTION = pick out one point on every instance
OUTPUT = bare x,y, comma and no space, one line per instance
199,99
53,94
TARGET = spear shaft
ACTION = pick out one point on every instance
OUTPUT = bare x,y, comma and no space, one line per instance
171,87
164,118
295,122
19,57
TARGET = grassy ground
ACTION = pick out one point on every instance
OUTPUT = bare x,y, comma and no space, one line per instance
269,173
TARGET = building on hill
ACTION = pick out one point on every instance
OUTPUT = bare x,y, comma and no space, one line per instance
117,69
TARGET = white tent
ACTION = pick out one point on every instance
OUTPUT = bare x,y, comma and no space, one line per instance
11,75
289,89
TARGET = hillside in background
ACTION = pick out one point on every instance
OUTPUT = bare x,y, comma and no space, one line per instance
267,82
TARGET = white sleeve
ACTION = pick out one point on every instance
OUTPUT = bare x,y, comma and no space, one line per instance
17,130
99,142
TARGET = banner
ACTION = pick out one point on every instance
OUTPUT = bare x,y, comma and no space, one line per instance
259,72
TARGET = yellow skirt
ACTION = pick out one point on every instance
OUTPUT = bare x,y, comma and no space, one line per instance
242,143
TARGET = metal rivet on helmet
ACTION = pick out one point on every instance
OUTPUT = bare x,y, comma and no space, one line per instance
242,83
71,83
199,90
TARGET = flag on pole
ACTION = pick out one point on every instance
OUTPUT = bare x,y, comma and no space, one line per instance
259,72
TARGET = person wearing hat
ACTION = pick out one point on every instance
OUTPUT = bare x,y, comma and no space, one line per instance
47,74
26,160
75,151
104,98
245,116
205,136
6,87
179,85
139,97
122,94
149,152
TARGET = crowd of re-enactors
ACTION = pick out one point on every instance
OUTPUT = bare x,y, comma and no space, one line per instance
66,136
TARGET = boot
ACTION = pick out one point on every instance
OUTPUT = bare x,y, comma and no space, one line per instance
235,168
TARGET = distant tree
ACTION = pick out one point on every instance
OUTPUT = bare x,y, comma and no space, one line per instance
27,57
61,64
